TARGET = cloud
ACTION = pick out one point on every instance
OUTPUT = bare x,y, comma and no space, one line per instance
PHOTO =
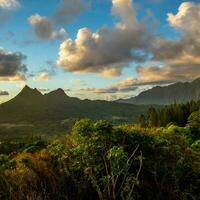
43,76
67,10
169,74
9,4
11,65
146,76
4,93
44,28
173,60
186,48
180,57
108,50
120,87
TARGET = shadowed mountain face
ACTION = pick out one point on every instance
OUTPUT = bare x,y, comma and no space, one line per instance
178,92
31,105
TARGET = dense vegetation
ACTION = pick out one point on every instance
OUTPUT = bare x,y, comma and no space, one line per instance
175,113
99,160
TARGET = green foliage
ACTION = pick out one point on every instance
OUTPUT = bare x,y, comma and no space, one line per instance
175,113
196,146
99,160
194,124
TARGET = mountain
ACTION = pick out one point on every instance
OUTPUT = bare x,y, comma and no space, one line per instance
178,92
30,106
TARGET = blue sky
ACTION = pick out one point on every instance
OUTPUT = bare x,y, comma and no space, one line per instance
87,74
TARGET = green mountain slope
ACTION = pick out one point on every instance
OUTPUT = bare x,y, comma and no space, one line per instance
179,92
31,106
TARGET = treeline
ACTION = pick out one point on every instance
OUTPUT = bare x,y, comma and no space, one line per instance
175,113
101,161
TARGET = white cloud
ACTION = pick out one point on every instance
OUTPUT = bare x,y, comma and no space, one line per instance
9,4
107,51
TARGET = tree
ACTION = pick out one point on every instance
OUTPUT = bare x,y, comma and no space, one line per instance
152,117
98,152
194,124
142,121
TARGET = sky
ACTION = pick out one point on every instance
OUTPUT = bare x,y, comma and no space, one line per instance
97,49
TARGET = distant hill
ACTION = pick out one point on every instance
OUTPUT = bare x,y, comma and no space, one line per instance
30,106
178,92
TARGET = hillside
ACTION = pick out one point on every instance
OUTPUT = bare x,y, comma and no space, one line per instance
178,92
30,106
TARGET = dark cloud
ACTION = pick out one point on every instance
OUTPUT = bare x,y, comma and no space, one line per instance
44,28
11,65
68,9
4,93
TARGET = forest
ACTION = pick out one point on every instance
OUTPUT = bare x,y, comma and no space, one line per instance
157,158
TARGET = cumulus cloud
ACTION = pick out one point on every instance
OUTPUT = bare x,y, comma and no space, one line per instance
68,9
174,60
11,65
108,50
180,57
44,28
186,48
4,93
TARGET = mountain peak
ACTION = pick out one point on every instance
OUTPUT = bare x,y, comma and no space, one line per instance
57,93
27,91
26,87
59,90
